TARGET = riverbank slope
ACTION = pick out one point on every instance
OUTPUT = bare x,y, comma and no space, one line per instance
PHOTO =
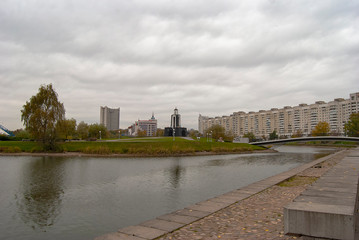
134,148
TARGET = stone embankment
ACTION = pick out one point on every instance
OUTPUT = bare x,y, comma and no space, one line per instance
131,155
252,212
328,209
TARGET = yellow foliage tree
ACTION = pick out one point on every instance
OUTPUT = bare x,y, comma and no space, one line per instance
141,133
352,126
40,115
321,129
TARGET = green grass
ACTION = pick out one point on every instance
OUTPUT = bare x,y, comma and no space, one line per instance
347,144
139,146
23,146
152,139
298,181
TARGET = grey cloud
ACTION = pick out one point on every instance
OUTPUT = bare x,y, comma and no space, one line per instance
204,57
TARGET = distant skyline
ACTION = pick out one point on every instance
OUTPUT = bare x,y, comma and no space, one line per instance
203,57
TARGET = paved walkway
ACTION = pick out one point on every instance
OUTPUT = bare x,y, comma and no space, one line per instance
252,212
327,208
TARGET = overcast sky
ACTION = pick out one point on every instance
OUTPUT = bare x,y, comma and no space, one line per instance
205,57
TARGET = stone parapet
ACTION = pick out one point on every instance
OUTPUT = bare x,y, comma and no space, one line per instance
327,209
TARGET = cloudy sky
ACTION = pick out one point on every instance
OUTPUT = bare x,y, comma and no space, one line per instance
209,57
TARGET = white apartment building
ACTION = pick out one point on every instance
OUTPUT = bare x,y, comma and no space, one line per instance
110,118
150,126
288,120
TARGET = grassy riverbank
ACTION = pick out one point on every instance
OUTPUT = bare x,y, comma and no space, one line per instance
346,144
139,146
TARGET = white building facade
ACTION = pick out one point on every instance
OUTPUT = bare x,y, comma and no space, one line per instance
110,118
288,120
150,126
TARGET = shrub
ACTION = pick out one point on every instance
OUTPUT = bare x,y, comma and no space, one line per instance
137,150
10,149
36,150
4,138
219,149
97,150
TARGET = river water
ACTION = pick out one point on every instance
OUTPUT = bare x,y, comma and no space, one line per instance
84,197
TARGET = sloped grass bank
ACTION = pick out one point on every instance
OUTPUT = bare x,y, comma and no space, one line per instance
155,147
18,146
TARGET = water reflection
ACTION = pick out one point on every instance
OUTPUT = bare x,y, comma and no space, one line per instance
218,162
176,171
258,159
40,196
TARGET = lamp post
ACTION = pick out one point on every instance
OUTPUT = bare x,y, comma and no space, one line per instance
100,134
173,133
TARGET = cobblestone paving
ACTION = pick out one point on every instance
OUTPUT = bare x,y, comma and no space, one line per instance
257,217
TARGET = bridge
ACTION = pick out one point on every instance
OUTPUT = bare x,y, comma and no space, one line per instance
7,131
307,139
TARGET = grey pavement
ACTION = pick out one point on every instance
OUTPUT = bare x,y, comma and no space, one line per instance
327,209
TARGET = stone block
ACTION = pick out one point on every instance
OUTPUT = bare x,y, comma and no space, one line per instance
204,208
337,184
214,204
117,236
354,154
333,200
192,213
248,190
142,232
254,188
319,220
162,225
331,188
340,178
222,199
238,196
178,218
311,192
327,208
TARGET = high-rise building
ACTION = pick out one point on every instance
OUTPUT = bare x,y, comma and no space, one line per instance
110,118
287,121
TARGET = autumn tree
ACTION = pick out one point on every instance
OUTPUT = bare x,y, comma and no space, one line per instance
193,133
82,130
22,134
98,131
160,132
273,135
217,132
297,134
250,136
40,115
114,133
321,129
66,128
124,132
141,133
352,126
228,137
